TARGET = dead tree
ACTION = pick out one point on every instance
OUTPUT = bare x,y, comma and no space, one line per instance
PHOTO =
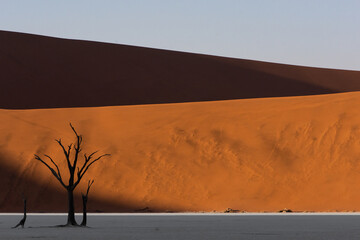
22,221
76,172
84,200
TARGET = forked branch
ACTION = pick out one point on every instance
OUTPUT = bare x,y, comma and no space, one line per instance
87,163
90,183
66,153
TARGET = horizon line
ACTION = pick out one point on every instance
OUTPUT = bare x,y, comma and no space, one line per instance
180,51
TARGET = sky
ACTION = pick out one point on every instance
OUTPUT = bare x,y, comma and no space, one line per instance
319,33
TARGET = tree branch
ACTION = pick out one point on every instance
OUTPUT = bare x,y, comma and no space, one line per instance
90,183
65,152
73,129
72,165
57,168
87,159
86,166
51,169
69,149
77,146
95,160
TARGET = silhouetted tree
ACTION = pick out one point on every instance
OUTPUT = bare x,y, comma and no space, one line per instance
22,221
75,173
84,200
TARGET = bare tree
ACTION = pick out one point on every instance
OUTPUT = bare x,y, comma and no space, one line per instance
22,221
84,200
76,172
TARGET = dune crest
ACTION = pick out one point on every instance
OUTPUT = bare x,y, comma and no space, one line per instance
45,72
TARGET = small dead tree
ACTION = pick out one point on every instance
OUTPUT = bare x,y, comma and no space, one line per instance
22,221
76,172
84,200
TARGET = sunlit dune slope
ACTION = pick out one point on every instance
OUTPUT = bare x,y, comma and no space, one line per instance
300,153
45,72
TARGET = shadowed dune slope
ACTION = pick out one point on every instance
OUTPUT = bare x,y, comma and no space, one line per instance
45,72
20,179
300,153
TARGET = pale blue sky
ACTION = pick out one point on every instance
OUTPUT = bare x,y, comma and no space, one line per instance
323,33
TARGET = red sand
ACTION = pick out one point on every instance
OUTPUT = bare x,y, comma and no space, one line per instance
300,153
44,72
261,154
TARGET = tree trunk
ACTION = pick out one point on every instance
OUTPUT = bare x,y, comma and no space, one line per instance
24,211
71,209
84,199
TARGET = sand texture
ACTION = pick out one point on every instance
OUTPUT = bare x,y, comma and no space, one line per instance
187,132
300,153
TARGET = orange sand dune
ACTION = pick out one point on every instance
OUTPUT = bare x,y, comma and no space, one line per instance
45,72
300,153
